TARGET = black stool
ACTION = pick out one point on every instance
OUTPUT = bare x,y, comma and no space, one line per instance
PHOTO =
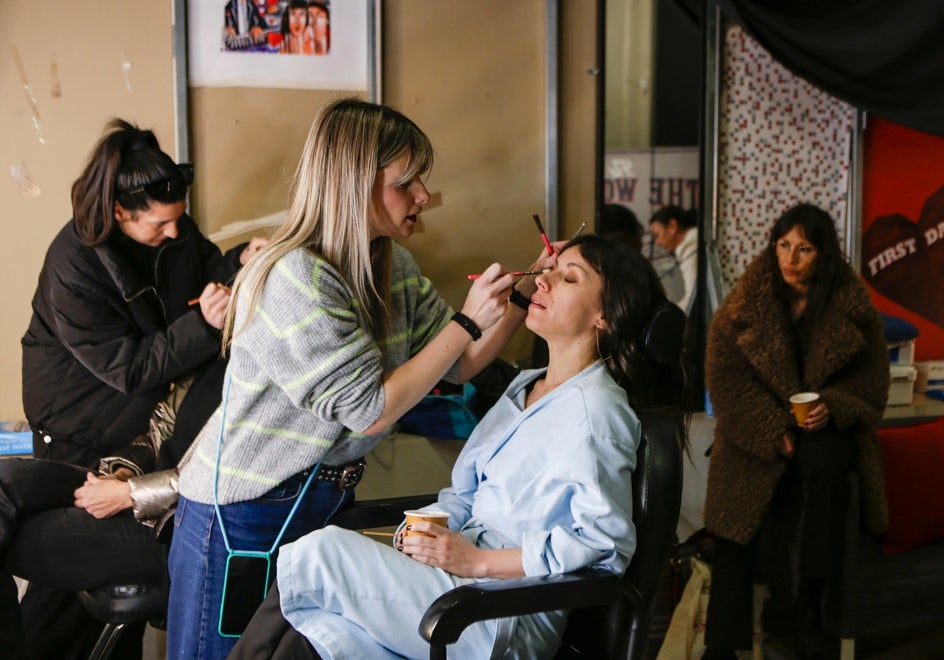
118,605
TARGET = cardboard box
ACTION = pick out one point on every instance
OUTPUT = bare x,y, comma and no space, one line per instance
930,376
902,385
901,353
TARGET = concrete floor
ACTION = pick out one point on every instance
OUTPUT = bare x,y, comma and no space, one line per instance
927,646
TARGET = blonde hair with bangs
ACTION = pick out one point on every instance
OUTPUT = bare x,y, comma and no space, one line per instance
349,143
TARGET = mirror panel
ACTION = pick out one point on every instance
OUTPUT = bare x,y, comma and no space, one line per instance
652,109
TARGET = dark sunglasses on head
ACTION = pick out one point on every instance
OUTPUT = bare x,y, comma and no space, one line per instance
164,188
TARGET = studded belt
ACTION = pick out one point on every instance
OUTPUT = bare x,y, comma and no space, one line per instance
345,476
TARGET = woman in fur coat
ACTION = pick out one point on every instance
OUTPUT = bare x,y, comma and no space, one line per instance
798,320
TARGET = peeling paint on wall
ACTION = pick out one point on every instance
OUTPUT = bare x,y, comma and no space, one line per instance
55,87
24,181
30,98
126,70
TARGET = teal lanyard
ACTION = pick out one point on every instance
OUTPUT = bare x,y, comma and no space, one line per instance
216,481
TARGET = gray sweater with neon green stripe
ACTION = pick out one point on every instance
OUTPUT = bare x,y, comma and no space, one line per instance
305,376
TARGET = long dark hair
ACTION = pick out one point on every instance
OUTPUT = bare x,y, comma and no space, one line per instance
830,272
123,161
631,295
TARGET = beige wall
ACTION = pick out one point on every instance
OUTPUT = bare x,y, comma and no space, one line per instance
470,74
245,143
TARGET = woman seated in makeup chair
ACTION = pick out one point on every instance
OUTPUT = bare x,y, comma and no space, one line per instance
541,487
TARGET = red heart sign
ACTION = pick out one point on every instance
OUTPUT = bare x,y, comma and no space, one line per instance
904,260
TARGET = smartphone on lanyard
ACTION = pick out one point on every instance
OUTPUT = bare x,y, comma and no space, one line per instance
245,585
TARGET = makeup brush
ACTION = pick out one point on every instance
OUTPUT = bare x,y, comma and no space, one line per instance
547,243
516,273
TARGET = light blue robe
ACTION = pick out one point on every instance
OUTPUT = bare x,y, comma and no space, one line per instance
554,480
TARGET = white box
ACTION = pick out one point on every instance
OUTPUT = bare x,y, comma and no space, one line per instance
901,353
902,385
930,376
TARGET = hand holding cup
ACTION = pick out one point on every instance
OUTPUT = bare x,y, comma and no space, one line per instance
425,537
811,412
440,518
802,403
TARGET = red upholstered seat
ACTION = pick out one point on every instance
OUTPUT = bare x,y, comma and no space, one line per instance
914,485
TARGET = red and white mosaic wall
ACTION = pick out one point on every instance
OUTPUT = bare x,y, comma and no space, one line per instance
781,141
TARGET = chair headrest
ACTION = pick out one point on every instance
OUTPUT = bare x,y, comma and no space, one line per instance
661,339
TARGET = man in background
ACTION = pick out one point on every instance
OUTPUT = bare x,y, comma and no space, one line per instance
674,229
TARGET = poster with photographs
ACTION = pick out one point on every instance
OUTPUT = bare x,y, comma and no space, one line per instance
299,44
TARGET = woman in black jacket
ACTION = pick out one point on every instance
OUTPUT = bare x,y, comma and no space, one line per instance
112,325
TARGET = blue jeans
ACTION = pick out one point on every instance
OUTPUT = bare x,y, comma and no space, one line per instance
198,556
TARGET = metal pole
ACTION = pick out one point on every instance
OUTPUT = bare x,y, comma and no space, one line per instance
181,79
551,117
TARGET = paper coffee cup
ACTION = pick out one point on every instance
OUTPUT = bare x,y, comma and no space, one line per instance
412,516
801,404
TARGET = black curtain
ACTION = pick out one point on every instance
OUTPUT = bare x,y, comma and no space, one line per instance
882,56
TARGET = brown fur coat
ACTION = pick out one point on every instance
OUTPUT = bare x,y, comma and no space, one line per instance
752,369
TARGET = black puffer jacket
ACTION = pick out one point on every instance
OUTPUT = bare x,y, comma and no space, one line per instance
103,344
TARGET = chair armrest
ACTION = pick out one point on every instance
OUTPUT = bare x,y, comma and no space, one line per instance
381,512
452,612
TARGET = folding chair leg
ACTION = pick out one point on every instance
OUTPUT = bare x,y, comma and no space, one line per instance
757,641
846,649
106,641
